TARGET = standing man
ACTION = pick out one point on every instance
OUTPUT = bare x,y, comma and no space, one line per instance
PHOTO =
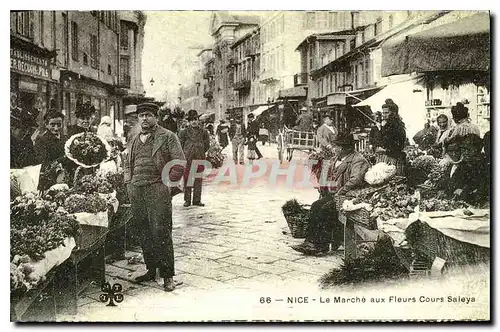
222,130
167,121
305,120
195,142
151,200
327,133
237,133
253,133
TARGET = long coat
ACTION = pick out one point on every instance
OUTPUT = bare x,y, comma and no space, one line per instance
49,149
166,147
195,142
350,174
325,136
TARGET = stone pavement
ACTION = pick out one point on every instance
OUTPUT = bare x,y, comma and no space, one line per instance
230,255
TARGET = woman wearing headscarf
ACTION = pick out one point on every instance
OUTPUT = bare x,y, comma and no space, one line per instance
468,176
444,128
393,137
104,130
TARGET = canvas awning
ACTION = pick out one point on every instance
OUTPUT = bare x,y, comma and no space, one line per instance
295,92
259,110
463,45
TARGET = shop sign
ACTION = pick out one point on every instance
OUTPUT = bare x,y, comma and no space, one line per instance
28,63
336,99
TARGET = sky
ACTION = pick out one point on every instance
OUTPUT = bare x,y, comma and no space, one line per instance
170,35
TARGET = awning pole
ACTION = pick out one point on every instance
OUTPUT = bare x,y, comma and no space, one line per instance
347,93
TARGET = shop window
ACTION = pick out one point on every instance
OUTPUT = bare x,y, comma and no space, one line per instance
74,41
94,52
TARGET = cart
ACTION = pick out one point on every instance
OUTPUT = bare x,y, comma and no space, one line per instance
290,140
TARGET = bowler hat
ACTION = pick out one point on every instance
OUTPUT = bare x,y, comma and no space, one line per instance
85,110
345,139
192,115
148,107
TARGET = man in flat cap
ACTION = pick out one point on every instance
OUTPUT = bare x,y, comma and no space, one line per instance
151,199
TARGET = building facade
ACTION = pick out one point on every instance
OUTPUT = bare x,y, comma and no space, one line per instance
226,28
131,46
34,74
246,68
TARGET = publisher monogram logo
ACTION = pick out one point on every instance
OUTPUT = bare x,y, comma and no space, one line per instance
111,294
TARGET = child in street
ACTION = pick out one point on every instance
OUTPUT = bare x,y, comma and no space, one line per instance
252,145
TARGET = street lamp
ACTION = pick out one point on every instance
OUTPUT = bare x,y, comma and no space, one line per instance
152,81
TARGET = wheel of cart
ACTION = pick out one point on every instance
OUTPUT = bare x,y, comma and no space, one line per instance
299,140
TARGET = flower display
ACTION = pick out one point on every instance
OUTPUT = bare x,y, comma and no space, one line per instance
87,149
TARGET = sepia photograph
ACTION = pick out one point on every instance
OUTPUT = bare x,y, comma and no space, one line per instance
250,166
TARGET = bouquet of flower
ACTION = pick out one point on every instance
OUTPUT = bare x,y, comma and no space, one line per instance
87,149
116,145
90,203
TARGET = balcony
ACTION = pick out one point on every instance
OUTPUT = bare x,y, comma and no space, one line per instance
300,79
124,81
242,85
268,76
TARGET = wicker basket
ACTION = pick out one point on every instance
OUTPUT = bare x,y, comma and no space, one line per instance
362,218
298,222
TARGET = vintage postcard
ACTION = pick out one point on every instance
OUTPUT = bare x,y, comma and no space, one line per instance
264,166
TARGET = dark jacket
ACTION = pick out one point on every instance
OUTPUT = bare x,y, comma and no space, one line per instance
169,124
351,172
223,137
195,142
22,152
49,148
375,138
253,129
393,137
166,147
232,130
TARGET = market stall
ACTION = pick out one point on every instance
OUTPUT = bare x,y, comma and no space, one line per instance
58,235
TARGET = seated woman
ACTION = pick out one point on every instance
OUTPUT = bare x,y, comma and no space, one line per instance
349,171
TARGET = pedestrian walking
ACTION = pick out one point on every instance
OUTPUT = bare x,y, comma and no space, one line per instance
195,142
151,200
252,149
327,133
253,132
222,131
167,121
237,134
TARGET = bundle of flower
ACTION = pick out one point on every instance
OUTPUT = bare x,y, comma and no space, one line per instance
424,162
87,149
90,203
38,226
116,145
89,184
117,181
436,204
380,263
317,159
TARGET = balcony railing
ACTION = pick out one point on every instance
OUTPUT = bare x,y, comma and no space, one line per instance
300,79
251,52
242,85
124,81
268,75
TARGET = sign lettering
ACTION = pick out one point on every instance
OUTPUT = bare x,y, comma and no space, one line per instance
25,62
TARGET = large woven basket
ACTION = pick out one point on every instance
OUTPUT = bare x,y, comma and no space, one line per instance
298,222
362,218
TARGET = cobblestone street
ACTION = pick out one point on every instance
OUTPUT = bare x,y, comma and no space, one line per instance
230,255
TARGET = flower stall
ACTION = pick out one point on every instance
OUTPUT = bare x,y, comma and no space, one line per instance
58,235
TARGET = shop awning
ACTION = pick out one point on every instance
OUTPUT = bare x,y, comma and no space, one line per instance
295,92
259,110
463,45
392,91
